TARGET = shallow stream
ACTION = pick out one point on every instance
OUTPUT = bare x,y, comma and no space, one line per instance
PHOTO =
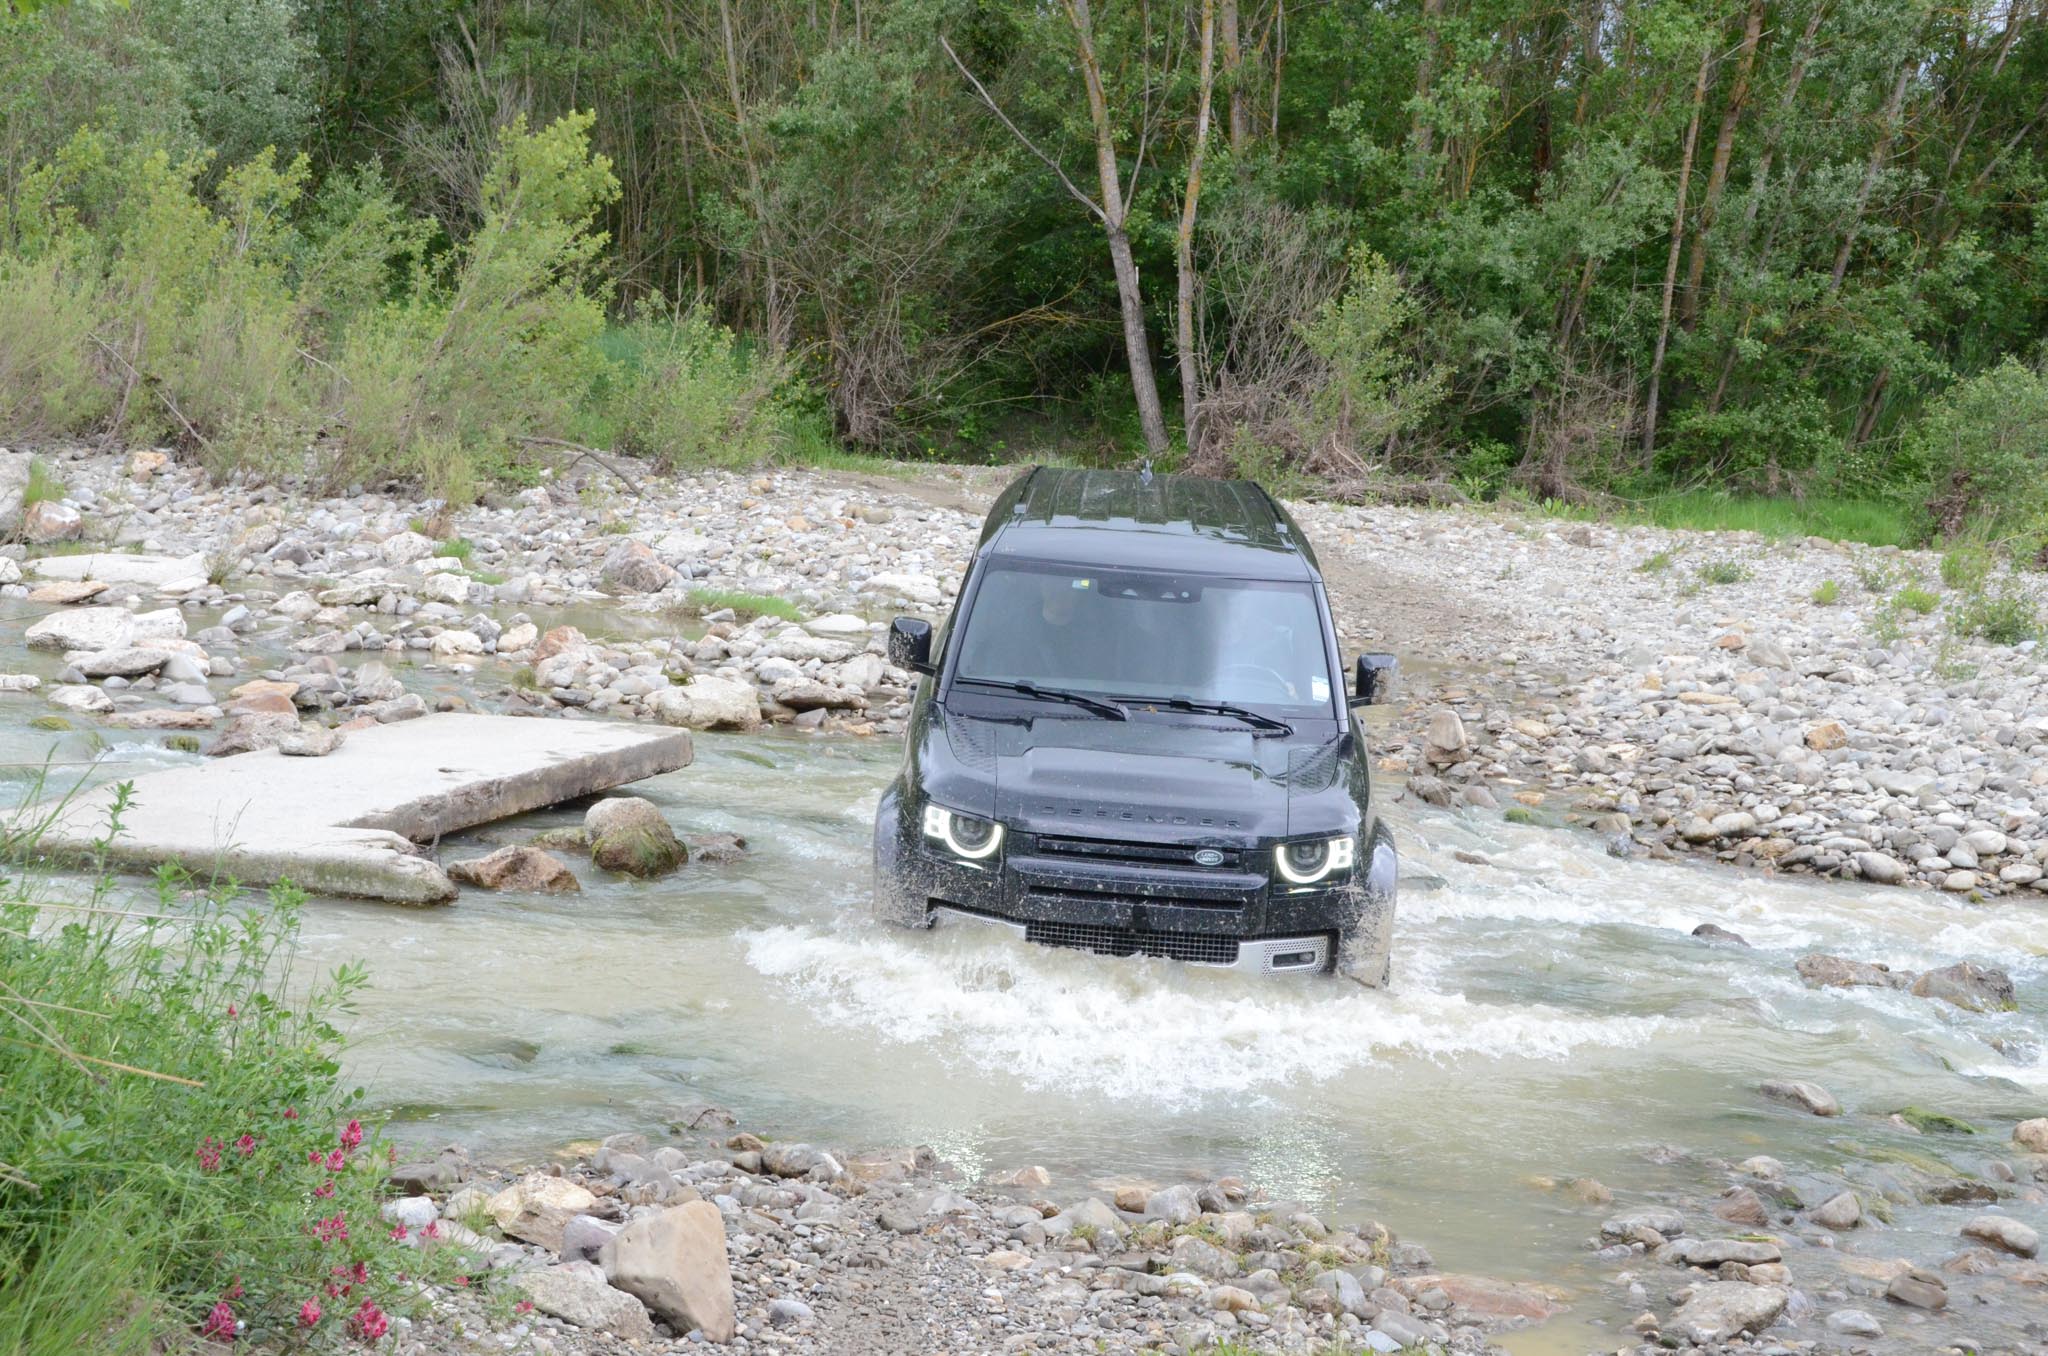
1550,1018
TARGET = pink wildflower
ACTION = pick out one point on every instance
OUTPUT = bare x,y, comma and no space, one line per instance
433,1229
234,1290
220,1323
334,1230
360,1273
398,1234
324,1190
246,1145
309,1313
291,1113
314,1158
523,1307
352,1135
208,1154
369,1322
336,1160
232,1012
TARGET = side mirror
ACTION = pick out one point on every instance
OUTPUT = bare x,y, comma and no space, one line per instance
910,644
1375,685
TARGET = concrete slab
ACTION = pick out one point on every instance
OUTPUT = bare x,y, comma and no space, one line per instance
121,567
349,823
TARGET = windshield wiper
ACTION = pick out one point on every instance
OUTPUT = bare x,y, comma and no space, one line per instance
1243,713
1054,694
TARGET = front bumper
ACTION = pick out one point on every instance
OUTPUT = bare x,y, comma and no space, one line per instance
1124,899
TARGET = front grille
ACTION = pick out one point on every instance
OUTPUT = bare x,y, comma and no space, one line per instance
1137,854
1108,941
1096,899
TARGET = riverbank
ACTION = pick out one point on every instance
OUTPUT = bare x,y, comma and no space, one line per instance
1543,1006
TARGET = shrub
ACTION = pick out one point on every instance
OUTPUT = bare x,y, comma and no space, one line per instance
1980,445
688,394
44,485
2006,617
49,382
1655,564
1915,600
1724,572
178,1152
1828,594
1966,567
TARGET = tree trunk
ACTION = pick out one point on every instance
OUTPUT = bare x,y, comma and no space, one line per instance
1233,76
1692,137
1871,170
772,317
1184,239
1717,173
1137,350
1422,136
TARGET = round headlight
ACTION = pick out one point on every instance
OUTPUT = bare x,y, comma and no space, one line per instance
967,836
972,835
1312,860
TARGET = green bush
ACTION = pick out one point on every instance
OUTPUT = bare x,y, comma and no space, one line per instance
1966,567
1828,594
1915,600
1978,445
2005,617
688,394
177,1154
49,382
1724,572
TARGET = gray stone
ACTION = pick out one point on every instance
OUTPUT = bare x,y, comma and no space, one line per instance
1918,1289
629,835
1854,1323
578,1293
584,1236
1810,1097
103,628
1658,1219
2004,1233
1713,1252
708,703
119,567
1840,1211
1088,1213
1720,1310
1175,1205
1974,988
1344,1288
1823,971
675,1263
784,1312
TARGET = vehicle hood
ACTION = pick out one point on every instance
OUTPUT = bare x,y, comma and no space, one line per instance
1141,780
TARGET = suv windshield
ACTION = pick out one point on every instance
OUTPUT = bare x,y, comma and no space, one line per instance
1146,635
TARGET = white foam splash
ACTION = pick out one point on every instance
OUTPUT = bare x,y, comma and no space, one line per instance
1145,1030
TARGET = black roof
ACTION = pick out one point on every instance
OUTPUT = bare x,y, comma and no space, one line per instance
1130,518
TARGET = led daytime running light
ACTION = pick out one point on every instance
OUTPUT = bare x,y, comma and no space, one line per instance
1339,855
938,823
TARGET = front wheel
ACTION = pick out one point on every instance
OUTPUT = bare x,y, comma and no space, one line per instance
1365,950
895,899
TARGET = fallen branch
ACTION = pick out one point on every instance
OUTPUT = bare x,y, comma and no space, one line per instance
581,452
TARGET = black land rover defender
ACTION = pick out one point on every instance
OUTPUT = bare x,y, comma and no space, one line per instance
1131,737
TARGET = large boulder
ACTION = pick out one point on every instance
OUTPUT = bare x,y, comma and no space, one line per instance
1720,1310
535,1208
252,730
1836,972
1811,1097
51,521
2004,1233
630,567
578,1293
674,1263
708,703
629,835
1972,987
2032,1135
517,868
103,628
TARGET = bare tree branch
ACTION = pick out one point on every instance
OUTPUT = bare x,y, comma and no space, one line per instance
1018,133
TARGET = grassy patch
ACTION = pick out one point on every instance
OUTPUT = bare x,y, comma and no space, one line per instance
44,485
1828,594
1864,520
461,549
1723,572
1916,600
2005,618
745,605
1656,564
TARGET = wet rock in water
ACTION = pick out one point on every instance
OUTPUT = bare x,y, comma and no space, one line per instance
675,1264
568,838
1880,868
1854,1323
1714,1252
577,1293
517,868
1589,1191
1431,791
1656,1219
630,836
2004,1233
1840,1211
1740,1205
718,849
1720,1310
1175,1205
1718,935
535,1208
311,741
706,702
103,628
2032,1135
1810,1097
630,567
132,662
63,592
1918,1289
1445,741
1972,987
1484,1296
1087,1214
1836,972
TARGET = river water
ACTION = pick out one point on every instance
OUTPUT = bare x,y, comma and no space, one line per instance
1550,1018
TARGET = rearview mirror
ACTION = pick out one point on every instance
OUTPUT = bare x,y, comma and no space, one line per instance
910,644
1375,684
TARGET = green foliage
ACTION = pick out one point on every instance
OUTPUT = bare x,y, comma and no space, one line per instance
1967,567
1656,563
1980,442
689,394
2004,616
746,605
1935,1122
48,383
44,486
173,1098
1828,594
1915,599
1723,572
1373,392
